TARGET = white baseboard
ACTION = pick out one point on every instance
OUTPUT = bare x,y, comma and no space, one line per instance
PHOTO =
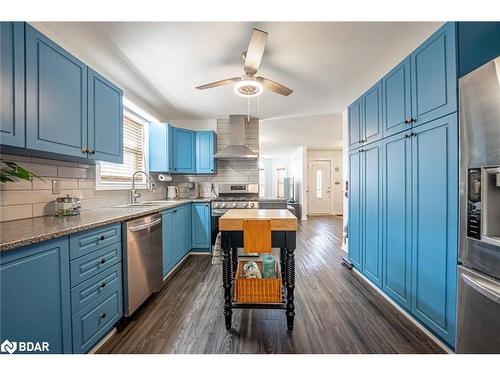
103,340
412,319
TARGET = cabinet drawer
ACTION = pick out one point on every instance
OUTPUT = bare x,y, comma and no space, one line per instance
97,286
94,321
91,240
91,264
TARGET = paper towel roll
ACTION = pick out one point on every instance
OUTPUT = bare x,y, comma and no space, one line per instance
164,178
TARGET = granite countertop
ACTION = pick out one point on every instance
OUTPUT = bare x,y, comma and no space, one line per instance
17,233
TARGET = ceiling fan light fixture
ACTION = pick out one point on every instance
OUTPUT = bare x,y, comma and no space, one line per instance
248,88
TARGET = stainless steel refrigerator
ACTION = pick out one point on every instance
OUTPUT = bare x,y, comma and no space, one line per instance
478,328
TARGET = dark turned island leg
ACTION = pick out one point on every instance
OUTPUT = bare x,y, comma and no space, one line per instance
234,259
227,278
290,279
283,264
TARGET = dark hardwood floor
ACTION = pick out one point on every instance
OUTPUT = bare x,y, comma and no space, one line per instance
336,311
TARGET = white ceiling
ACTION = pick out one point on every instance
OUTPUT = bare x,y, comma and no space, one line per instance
158,64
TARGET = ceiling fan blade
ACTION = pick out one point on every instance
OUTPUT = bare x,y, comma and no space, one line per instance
255,51
219,83
274,86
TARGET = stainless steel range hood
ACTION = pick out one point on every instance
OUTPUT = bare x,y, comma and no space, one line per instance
236,148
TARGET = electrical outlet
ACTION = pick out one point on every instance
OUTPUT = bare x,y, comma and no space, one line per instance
56,187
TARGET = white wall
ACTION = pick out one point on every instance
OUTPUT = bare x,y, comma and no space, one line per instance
335,158
270,165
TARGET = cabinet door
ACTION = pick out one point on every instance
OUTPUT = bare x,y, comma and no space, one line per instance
35,295
201,226
161,148
354,228
105,119
396,99
179,233
205,151
371,194
188,216
168,238
434,76
56,97
184,151
396,219
354,121
435,225
12,84
372,114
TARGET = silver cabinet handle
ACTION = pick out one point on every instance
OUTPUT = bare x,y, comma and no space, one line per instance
484,288
145,226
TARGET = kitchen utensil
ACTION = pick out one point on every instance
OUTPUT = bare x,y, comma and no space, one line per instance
67,206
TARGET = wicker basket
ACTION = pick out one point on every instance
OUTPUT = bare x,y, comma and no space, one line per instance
257,290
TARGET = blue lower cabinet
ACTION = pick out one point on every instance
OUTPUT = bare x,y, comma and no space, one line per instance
35,295
179,233
168,241
201,227
188,220
92,323
396,217
435,225
12,126
372,212
85,242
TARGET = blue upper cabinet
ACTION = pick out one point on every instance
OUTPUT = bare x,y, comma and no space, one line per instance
206,144
477,44
184,151
372,114
201,226
396,216
161,147
105,119
396,102
35,295
435,224
434,76
12,126
56,97
371,174
355,209
355,123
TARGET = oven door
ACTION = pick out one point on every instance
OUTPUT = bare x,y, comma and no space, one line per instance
478,312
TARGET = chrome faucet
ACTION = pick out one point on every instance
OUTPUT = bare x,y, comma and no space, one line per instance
135,196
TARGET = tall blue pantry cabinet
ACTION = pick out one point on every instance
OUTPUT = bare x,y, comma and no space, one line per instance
403,200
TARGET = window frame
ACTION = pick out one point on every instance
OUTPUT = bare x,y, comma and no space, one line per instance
278,169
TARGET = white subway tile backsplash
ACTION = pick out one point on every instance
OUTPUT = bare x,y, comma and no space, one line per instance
16,212
75,172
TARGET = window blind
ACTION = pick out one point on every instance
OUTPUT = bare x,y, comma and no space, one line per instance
133,155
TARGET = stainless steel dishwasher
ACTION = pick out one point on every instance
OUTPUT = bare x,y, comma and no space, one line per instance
143,269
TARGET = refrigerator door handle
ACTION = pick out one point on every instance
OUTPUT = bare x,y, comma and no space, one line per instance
488,290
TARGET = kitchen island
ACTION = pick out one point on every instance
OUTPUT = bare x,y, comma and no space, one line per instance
283,236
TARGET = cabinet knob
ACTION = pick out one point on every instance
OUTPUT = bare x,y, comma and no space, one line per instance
92,152
103,315
102,261
102,238
84,150
103,284
408,120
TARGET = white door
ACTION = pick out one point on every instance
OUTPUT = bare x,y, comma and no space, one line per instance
320,198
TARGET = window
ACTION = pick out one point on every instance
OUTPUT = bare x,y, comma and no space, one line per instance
262,182
319,184
111,176
280,176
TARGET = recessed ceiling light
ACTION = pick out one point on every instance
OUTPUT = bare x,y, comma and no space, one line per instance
248,88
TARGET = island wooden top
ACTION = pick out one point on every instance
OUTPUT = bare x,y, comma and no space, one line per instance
232,220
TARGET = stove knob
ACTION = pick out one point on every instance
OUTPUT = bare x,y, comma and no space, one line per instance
223,205
252,205
234,205
245,204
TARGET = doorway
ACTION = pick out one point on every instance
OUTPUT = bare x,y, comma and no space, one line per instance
320,196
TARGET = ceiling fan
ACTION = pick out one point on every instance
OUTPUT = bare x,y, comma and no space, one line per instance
249,84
